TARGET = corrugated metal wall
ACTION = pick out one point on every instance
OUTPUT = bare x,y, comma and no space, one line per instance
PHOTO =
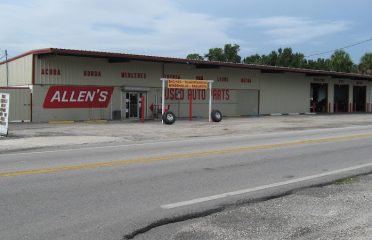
284,93
247,89
63,70
41,114
229,89
19,72
20,103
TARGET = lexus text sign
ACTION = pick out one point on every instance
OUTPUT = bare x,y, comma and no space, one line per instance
78,97
4,113
190,84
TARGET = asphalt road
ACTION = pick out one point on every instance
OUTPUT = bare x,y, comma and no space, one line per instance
108,191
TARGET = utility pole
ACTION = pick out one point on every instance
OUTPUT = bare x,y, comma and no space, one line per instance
7,69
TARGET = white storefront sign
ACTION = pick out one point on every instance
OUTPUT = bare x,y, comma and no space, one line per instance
4,113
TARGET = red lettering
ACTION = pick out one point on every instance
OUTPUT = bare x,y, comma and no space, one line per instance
189,93
78,97
222,79
50,71
171,94
131,75
221,94
172,76
92,73
245,80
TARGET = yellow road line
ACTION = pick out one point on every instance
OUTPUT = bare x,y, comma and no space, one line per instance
181,156
61,122
96,121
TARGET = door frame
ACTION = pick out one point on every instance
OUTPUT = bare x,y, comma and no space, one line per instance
126,100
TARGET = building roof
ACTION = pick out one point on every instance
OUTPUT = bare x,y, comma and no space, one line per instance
124,57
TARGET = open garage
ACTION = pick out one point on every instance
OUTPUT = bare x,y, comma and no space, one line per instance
359,98
341,101
319,97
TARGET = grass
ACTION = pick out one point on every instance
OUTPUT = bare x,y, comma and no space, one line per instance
346,181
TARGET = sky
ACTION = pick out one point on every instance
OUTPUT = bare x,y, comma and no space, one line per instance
175,28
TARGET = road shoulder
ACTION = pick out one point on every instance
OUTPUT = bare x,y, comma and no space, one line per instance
339,211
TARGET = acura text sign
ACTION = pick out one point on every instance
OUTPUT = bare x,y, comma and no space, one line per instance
190,84
78,97
4,113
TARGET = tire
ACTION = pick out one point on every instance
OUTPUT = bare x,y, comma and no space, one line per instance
169,118
216,116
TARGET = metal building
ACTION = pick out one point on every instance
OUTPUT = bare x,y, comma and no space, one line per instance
61,84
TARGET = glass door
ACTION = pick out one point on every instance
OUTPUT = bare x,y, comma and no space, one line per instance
133,104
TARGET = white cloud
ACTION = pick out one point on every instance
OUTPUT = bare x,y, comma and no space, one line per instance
141,26
291,30
158,27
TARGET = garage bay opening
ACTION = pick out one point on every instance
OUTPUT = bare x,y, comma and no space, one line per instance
359,98
318,97
341,94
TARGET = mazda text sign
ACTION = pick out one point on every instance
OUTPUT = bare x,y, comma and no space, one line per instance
78,97
4,113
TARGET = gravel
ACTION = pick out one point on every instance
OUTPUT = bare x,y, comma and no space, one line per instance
339,211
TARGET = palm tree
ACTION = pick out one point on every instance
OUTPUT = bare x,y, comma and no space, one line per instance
341,62
365,65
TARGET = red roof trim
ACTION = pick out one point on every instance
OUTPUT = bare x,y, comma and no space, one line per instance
14,88
35,52
84,53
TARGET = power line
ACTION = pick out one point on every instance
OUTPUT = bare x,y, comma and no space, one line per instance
348,46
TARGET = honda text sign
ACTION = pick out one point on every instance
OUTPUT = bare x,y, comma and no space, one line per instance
78,97
4,113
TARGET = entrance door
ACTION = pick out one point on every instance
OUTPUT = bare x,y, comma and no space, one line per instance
133,104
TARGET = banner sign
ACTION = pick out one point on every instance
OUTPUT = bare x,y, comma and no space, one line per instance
189,84
4,113
78,97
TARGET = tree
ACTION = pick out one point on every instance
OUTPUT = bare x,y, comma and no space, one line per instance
228,54
195,56
215,54
319,64
231,53
365,65
341,62
283,57
253,59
